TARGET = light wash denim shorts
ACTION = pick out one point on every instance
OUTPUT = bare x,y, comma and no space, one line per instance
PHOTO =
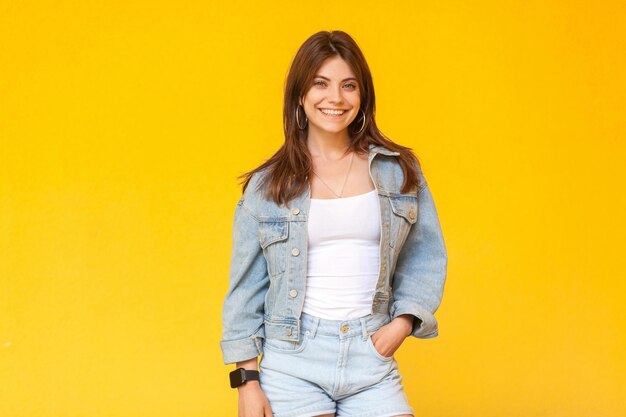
334,368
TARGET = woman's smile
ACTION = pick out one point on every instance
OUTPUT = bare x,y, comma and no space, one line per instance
333,114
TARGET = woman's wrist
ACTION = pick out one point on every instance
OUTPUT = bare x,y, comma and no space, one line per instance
249,365
249,386
405,323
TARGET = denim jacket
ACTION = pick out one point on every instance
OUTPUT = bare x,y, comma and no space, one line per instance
268,266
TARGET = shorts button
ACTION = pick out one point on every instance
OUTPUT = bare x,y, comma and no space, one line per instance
345,328
295,251
293,293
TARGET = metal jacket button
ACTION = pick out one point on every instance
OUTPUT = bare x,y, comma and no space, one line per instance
411,213
295,251
293,293
295,210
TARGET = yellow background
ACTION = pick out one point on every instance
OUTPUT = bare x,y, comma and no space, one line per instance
124,124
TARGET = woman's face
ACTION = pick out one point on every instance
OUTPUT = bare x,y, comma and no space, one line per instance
334,88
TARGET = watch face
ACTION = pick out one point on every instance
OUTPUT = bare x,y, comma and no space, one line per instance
237,377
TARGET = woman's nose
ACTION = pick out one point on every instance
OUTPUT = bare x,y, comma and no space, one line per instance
334,95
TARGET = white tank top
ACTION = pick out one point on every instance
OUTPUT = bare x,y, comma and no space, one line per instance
343,256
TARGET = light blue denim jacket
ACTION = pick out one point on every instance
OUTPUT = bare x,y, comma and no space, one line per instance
268,265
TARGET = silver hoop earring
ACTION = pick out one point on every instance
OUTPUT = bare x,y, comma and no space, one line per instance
363,124
306,119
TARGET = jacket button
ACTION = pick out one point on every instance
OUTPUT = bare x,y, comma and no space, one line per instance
295,251
345,328
293,293
295,210
411,213
289,331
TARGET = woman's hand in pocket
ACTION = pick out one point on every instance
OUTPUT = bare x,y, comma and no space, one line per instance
389,337
252,401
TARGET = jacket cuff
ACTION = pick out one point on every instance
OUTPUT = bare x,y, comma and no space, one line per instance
427,326
241,349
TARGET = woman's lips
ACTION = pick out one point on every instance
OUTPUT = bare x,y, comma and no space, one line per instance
333,116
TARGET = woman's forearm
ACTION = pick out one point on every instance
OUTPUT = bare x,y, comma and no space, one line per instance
250,364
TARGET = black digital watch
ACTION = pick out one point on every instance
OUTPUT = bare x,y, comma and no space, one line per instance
240,376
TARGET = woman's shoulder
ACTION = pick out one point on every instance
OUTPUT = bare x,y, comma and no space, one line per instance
255,189
256,183
392,171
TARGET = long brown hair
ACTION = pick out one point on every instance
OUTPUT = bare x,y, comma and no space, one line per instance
289,168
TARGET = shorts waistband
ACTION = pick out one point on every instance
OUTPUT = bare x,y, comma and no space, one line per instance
363,326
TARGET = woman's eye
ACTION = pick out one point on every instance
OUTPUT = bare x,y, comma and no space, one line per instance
323,84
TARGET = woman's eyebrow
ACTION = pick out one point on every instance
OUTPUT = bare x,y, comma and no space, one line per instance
328,79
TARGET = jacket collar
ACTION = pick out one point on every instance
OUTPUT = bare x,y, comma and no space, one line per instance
376,149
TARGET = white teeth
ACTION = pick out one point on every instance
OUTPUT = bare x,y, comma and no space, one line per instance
333,112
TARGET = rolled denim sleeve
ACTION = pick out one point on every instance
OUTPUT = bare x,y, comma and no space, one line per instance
242,313
420,272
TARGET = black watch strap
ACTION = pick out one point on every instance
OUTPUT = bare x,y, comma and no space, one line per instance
240,376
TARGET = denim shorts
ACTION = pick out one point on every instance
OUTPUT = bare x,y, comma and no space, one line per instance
334,368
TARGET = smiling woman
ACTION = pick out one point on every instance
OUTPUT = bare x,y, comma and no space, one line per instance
333,101
337,255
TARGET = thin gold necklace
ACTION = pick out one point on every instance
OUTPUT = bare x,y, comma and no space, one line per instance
344,181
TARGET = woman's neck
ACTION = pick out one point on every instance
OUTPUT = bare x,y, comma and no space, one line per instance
328,145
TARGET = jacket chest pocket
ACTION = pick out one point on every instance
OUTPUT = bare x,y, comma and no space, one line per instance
404,209
273,239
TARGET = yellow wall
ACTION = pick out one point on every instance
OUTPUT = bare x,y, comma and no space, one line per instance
123,126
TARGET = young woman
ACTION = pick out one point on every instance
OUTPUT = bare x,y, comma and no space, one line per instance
337,253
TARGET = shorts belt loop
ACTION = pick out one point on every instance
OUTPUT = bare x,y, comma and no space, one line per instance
364,327
315,322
